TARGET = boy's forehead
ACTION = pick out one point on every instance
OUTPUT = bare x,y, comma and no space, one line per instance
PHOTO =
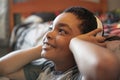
59,18
67,18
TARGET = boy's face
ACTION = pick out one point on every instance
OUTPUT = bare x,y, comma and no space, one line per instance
56,42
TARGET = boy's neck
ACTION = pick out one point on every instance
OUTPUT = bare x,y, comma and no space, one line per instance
64,66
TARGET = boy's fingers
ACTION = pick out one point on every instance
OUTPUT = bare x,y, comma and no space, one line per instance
94,32
100,38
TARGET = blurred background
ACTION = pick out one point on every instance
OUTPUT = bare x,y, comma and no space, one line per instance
23,23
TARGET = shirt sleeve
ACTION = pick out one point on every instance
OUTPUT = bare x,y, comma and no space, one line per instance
33,69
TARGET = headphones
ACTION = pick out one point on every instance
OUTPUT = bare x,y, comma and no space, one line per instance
99,25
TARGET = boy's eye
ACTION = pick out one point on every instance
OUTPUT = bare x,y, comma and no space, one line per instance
61,31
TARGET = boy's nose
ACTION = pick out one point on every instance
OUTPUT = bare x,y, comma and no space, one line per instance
50,35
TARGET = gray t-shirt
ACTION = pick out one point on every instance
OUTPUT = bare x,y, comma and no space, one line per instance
114,46
43,69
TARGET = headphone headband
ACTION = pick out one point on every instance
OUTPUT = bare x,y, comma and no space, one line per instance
99,25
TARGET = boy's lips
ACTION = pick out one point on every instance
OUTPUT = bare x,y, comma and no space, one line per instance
47,45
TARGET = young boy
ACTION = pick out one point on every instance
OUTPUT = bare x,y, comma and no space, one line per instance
70,51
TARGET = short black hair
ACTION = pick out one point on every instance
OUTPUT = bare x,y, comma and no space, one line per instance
89,22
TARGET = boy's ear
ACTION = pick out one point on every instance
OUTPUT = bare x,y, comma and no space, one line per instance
99,25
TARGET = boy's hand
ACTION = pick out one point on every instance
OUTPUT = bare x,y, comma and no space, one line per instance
92,38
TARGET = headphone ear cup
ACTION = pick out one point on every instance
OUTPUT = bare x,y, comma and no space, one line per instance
99,25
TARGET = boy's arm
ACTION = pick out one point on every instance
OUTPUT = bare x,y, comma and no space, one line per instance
17,59
94,62
18,75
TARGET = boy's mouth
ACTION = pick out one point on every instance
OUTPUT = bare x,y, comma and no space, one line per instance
47,45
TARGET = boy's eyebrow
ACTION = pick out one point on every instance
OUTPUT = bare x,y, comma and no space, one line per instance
64,25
